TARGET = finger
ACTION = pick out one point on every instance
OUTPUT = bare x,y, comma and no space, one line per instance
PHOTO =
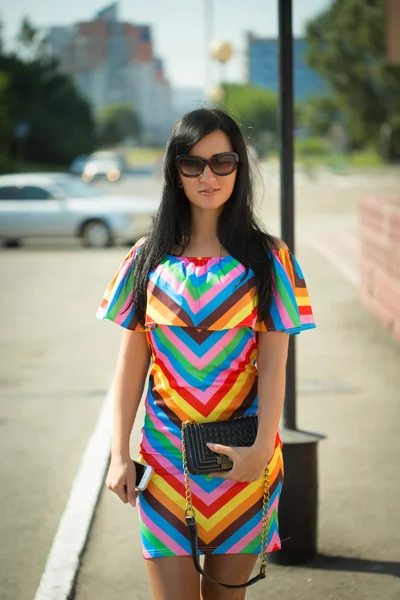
119,489
122,493
223,474
220,449
131,488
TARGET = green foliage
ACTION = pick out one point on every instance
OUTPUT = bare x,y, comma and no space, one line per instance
347,48
33,90
367,158
5,123
311,146
6,164
61,123
318,114
117,122
255,109
30,41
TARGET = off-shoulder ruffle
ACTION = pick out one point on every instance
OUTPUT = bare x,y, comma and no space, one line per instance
210,294
117,304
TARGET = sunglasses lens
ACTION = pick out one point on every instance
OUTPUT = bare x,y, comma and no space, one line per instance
191,167
220,164
224,165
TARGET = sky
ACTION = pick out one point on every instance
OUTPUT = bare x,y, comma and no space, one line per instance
182,29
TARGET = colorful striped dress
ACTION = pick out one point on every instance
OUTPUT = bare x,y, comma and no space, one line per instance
201,326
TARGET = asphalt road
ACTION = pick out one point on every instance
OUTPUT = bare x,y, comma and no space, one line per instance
56,364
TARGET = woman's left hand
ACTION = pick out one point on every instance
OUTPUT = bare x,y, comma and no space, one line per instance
248,462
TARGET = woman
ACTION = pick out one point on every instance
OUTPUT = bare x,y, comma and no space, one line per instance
209,300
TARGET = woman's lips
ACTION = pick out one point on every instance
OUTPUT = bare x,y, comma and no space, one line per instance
209,192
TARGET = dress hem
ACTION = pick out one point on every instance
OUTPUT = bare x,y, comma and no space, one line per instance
210,552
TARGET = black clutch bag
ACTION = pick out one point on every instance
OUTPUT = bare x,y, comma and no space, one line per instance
200,459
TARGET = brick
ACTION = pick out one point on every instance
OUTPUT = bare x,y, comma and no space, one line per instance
382,315
379,259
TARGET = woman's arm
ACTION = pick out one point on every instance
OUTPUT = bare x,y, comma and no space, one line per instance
130,376
271,366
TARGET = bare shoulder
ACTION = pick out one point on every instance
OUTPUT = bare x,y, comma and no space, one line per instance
140,243
280,244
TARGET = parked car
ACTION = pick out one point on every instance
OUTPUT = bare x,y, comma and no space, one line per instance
59,204
105,164
78,165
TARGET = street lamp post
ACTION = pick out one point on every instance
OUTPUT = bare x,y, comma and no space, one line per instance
208,37
222,52
215,94
298,507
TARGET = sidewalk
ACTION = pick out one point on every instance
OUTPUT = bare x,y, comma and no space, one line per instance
348,373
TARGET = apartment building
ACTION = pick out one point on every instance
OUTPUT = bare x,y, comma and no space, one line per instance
114,62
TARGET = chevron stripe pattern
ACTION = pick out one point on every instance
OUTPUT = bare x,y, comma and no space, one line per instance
201,324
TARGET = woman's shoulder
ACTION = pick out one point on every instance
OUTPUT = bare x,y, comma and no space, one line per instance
140,243
137,246
278,244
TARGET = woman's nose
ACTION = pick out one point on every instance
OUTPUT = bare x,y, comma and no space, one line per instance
207,174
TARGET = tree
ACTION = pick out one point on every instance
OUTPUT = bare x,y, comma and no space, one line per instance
347,48
31,41
117,122
60,120
256,110
1,37
5,123
317,114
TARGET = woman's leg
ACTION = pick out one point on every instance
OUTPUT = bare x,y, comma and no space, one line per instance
228,568
173,578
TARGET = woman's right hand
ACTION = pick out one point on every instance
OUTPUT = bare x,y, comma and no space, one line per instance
121,479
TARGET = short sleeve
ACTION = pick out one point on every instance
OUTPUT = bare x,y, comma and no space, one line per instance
118,303
290,309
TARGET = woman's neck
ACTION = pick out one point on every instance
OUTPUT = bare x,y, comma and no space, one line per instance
204,239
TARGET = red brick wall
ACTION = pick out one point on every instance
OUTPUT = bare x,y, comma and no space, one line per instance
379,229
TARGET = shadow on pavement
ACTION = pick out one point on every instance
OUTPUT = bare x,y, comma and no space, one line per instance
357,565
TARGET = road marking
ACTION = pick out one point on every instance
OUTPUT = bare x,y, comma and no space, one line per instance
344,269
63,561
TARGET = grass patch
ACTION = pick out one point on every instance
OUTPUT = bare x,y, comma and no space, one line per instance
366,159
143,156
341,162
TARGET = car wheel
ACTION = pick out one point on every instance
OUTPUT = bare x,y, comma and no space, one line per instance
96,234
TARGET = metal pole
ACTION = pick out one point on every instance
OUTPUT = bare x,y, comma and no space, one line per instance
287,178
298,506
208,38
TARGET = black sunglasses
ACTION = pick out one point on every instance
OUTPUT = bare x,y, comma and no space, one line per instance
221,164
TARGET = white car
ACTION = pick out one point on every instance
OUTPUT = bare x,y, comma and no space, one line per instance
60,205
104,164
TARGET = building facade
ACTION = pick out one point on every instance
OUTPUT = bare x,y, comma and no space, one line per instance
263,67
113,62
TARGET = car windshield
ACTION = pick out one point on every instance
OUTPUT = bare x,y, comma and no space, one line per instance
75,188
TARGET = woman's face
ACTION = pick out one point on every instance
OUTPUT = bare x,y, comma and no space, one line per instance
209,191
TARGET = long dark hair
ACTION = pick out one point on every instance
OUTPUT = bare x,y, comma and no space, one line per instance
238,230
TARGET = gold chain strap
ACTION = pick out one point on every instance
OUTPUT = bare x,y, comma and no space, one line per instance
189,511
264,522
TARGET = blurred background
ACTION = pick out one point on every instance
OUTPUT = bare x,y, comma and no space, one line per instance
88,95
